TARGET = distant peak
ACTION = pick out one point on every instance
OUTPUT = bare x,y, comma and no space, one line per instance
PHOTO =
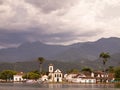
110,38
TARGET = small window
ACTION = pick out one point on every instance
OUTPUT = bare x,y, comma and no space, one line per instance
50,68
16,79
19,79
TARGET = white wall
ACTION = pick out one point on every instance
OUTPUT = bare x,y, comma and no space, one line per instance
58,77
17,78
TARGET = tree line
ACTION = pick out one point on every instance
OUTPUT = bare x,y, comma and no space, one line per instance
8,74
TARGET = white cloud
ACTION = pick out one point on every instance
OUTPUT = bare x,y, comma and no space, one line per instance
60,21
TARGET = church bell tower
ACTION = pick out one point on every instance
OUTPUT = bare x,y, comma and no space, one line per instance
50,68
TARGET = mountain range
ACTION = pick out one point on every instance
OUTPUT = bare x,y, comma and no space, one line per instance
84,53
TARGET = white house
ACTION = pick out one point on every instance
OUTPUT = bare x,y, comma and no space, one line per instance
81,78
57,76
103,77
69,77
44,78
95,77
54,76
85,80
18,77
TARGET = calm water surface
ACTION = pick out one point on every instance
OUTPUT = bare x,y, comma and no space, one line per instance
36,86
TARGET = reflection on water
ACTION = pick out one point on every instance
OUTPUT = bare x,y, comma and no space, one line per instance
83,86
117,85
36,86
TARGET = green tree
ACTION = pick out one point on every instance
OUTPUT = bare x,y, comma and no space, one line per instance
31,75
36,71
40,60
117,73
110,69
7,74
86,69
73,71
104,56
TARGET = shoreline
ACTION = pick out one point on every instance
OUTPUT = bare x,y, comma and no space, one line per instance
60,83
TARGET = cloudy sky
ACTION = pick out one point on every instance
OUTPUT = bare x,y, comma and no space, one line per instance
57,21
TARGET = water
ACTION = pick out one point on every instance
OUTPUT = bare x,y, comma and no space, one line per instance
36,86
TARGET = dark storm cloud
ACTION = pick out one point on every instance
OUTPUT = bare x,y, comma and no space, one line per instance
58,37
1,2
12,37
48,6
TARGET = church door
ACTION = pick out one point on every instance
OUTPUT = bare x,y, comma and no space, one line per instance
57,79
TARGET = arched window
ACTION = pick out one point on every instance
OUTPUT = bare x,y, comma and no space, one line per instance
50,68
60,75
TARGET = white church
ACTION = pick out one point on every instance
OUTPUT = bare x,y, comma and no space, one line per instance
54,76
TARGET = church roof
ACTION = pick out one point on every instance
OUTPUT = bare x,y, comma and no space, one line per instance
20,74
57,71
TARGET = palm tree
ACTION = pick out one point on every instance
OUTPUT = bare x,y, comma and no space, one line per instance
40,60
105,57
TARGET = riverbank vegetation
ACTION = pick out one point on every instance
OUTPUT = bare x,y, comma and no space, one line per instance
7,75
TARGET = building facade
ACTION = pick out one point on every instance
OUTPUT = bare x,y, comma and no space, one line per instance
54,76
18,77
96,77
